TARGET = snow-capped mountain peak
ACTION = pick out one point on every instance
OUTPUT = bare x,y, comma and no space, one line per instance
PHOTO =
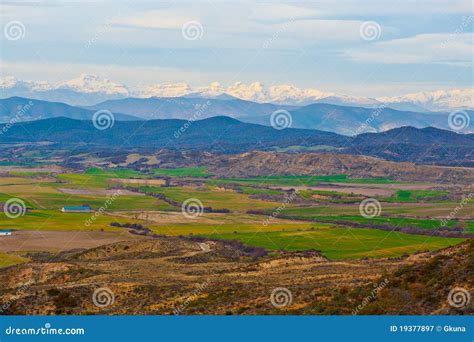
8,82
91,89
94,84
437,100
164,90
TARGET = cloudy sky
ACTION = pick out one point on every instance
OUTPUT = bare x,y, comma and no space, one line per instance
371,48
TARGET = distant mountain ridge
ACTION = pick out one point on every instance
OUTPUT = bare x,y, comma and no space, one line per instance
87,90
23,109
227,135
347,120
188,107
356,120
339,119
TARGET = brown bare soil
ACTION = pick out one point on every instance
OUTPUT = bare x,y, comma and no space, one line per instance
100,192
166,218
358,189
173,275
140,181
267,163
55,241
161,276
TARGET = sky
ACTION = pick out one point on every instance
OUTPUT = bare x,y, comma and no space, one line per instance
362,48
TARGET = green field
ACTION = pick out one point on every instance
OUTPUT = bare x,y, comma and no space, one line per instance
56,220
383,220
329,232
206,229
7,259
424,210
182,172
304,180
343,243
212,198
128,173
55,200
417,195
100,178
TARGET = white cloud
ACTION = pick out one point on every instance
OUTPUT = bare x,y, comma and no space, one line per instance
157,19
280,12
131,75
453,49
390,7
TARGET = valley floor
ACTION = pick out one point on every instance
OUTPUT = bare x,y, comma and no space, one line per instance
185,241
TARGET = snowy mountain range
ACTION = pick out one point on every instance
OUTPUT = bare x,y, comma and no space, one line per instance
87,90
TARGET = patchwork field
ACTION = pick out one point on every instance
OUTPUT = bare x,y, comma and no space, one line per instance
422,210
295,180
324,214
160,230
344,243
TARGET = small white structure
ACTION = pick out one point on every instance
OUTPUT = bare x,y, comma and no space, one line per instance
5,232
76,209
